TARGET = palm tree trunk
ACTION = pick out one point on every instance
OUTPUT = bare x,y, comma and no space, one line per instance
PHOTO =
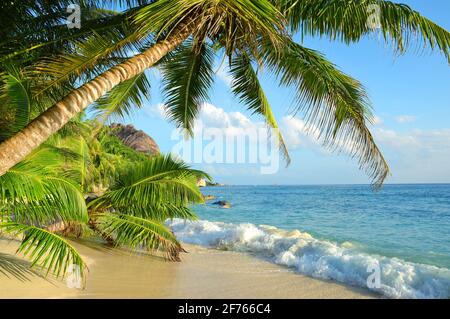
16,148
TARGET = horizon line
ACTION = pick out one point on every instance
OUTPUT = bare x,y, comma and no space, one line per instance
331,184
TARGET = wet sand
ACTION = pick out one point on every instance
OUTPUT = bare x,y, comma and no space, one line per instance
203,273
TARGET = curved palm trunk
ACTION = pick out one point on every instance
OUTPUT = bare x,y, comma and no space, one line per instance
16,148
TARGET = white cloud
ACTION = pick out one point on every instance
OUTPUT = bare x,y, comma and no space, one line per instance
405,119
156,111
414,156
417,155
393,138
223,74
419,141
211,116
297,134
232,123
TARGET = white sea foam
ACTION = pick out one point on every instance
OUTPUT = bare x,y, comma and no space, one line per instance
318,258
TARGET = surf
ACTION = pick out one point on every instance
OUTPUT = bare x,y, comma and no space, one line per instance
322,259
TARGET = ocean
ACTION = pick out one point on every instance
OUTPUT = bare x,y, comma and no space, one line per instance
344,233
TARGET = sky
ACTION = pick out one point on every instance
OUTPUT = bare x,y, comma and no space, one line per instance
410,95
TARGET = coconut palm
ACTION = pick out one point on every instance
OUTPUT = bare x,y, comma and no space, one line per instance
133,211
37,193
182,37
42,199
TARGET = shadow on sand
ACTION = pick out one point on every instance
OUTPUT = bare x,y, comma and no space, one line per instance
11,266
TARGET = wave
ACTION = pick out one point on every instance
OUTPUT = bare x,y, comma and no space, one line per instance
319,258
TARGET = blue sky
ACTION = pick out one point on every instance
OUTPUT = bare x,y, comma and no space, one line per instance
411,100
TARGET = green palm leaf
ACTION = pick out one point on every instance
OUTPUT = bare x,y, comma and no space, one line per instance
15,92
334,104
164,211
45,249
35,191
136,232
122,99
347,20
247,87
239,21
143,187
84,59
187,79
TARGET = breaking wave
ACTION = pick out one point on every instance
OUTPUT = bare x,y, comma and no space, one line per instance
319,258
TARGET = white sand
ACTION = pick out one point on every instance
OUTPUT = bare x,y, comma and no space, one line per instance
203,273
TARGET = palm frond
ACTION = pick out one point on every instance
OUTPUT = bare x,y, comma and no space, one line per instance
36,192
136,233
15,92
334,105
84,60
349,21
77,156
187,79
45,249
235,22
25,46
159,212
145,186
247,87
122,99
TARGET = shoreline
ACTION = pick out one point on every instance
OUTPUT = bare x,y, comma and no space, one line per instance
203,273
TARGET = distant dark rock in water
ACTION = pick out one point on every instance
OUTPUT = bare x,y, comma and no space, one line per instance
208,197
135,139
222,204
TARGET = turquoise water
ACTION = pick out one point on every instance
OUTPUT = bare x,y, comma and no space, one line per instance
407,221
339,231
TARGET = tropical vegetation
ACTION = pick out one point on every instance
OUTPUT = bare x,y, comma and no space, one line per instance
68,70
84,182
52,155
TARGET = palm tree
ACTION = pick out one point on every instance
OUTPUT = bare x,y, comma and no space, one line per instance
182,37
133,211
42,199
35,194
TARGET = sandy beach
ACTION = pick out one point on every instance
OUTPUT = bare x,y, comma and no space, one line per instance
203,273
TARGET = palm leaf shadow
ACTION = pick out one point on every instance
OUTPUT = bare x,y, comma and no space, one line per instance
11,266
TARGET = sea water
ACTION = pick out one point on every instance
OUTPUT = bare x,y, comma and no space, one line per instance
340,233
